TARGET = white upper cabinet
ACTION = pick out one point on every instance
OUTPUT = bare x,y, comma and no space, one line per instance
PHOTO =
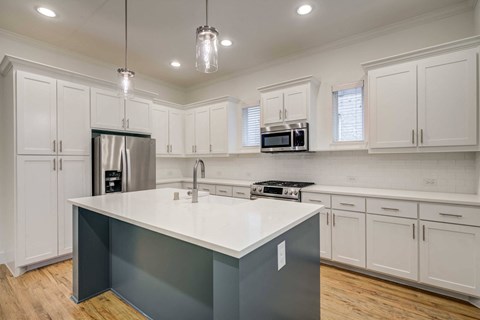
36,114
74,181
218,129
272,107
295,103
36,221
290,101
202,130
447,99
137,115
190,132
167,130
393,106
107,110
426,104
73,118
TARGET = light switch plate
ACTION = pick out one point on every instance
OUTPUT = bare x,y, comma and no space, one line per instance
281,254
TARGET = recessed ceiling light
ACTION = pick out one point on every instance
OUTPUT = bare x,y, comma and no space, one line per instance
46,12
226,43
175,64
304,9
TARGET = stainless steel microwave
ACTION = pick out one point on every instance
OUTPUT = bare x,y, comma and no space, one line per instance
285,138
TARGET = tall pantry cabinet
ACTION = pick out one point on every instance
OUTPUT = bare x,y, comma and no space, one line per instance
46,144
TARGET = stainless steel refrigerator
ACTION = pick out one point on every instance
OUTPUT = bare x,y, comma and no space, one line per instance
123,164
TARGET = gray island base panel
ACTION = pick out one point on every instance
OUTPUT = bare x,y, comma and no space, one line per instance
165,278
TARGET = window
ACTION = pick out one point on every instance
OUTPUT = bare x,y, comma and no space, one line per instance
348,112
251,126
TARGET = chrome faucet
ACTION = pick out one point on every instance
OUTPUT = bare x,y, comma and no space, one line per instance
194,192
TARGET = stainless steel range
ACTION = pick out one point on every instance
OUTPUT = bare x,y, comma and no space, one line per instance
281,190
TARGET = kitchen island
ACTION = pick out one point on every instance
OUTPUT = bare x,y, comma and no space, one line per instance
220,258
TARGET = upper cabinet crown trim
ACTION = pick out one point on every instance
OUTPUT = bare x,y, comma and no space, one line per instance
165,103
211,101
456,45
9,62
288,83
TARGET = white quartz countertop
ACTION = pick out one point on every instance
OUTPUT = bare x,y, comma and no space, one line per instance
422,196
226,182
231,226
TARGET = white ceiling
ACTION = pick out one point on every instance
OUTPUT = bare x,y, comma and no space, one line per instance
163,30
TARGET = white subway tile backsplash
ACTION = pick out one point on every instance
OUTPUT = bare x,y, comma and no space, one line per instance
452,172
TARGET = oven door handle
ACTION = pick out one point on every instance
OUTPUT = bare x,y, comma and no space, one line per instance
255,197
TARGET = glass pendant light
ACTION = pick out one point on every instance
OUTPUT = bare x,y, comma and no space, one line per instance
125,76
207,47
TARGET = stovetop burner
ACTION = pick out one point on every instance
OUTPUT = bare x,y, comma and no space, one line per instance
287,184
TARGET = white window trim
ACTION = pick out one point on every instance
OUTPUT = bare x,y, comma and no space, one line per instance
351,145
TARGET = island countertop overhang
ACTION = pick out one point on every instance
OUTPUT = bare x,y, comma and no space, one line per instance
234,227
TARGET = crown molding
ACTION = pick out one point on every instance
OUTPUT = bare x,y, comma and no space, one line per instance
466,43
303,80
438,14
170,104
8,62
202,103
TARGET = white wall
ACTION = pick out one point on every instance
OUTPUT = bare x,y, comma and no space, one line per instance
22,47
477,17
452,172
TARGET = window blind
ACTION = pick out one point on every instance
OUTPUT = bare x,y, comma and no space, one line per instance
349,114
251,126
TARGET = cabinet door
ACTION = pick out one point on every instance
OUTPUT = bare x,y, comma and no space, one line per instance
73,182
160,129
219,129
73,104
176,132
392,97
295,105
447,99
450,257
392,246
190,132
202,130
137,115
36,230
272,107
36,114
325,234
107,110
348,237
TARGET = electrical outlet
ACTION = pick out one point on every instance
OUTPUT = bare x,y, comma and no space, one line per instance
281,255
352,179
430,182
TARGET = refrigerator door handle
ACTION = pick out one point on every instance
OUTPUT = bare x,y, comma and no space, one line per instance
124,160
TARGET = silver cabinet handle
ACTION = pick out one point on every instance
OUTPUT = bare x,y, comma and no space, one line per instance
60,165
279,114
347,204
333,216
285,113
423,231
54,164
54,145
390,209
421,136
413,136
210,148
241,193
61,146
128,123
205,189
328,214
413,231
123,123
315,200
168,149
222,191
450,215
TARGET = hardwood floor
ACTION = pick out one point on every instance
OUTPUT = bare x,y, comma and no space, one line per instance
45,294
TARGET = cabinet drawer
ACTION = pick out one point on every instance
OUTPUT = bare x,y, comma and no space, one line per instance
450,213
317,198
207,187
241,192
395,208
223,191
348,203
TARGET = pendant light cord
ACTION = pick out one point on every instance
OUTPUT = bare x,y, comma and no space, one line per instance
126,35
206,12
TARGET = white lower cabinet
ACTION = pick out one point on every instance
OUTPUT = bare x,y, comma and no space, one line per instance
348,237
450,257
392,246
325,234
44,218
